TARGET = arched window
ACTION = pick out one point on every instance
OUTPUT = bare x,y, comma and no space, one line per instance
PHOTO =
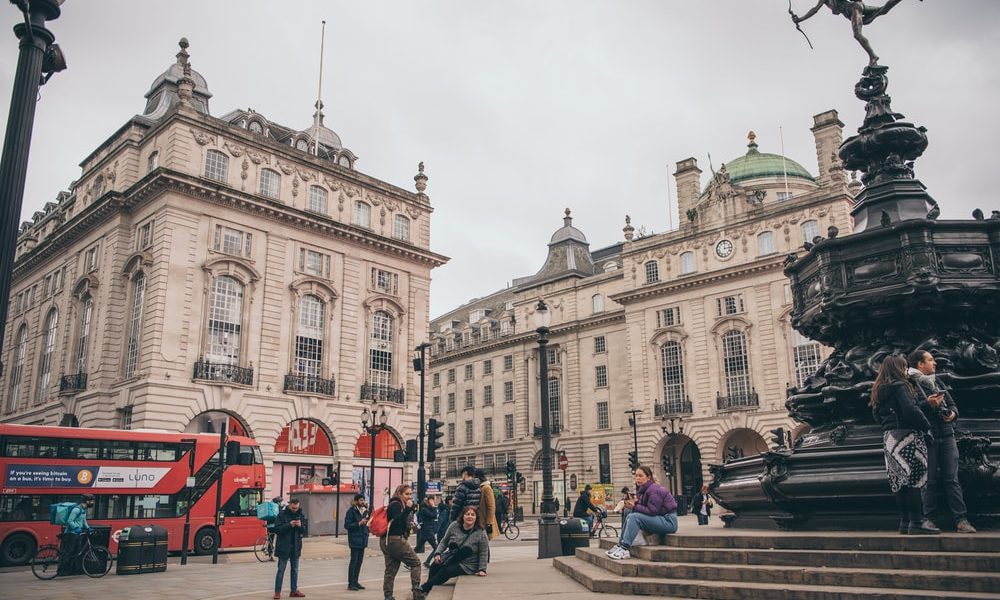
652,272
16,372
256,127
765,243
225,321
672,371
309,337
45,363
135,323
270,183
401,228
380,351
153,161
810,230
806,353
83,342
317,199
362,214
216,165
302,144
597,302
736,364
687,263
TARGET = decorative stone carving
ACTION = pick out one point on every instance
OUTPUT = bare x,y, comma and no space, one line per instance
201,137
233,149
258,158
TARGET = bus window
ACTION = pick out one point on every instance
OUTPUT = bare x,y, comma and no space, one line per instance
157,451
23,507
258,458
86,449
117,450
153,506
243,503
26,447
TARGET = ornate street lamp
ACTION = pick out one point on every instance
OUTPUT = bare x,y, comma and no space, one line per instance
38,58
377,425
548,528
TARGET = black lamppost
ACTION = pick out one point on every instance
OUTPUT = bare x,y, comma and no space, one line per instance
674,432
420,365
548,529
37,55
632,421
562,458
189,486
377,425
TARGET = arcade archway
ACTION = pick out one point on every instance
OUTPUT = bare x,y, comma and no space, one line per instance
213,421
303,453
739,443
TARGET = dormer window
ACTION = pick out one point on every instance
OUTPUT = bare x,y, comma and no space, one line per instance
256,128
344,161
302,145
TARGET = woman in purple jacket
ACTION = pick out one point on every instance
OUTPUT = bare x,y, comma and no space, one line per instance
655,511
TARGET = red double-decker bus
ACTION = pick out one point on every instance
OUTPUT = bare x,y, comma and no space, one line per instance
137,477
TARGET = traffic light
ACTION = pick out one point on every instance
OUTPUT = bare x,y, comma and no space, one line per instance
633,460
778,438
665,463
519,478
411,451
434,434
510,469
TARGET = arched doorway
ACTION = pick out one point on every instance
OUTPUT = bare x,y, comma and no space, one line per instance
387,477
559,485
212,421
691,475
303,453
680,467
739,443
69,420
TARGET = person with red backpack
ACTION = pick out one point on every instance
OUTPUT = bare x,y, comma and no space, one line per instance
394,544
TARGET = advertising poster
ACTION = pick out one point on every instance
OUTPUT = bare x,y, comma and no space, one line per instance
45,476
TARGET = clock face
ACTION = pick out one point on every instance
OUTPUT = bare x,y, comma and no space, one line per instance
724,249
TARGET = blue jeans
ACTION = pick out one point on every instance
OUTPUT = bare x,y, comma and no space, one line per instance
282,562
942,472
590,522
637,521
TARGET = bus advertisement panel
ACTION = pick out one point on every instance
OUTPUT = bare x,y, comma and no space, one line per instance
137,478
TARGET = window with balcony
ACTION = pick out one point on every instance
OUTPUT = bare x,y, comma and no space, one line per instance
225,321
309,339
736,363
83,340
135,323
380,351
672,377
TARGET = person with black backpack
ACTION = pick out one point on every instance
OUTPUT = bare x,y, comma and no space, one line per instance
71,540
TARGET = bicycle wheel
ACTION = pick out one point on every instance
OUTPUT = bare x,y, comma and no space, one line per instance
512,531
45,563
607,531
262,549
96,561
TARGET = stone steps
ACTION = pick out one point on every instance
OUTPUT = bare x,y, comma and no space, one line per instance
817,576
802,566
600,580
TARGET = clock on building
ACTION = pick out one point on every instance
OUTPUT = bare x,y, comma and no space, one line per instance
724,249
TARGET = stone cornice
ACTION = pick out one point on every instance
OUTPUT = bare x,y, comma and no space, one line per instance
772,263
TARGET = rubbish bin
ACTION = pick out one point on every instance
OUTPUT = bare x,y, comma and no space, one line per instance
573,534
142,549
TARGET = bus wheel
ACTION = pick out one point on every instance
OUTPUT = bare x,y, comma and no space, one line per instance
205,541
17,549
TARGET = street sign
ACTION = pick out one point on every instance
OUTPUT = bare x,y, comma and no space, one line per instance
563,462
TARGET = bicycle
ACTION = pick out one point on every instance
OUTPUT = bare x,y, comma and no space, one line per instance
509,529
602,529
263,548
95,561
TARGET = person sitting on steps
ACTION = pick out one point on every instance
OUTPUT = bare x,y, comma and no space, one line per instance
654,511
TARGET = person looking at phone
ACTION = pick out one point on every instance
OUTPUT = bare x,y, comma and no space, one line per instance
356,524
464,550
942,452
290,526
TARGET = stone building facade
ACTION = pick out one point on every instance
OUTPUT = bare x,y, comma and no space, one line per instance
690,327
207,270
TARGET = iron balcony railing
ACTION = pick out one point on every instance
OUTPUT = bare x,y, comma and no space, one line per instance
73,383
295,382
540,431
382,393
737,401
205,370
673,407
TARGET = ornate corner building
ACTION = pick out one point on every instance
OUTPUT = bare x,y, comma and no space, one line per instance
207,270
691,326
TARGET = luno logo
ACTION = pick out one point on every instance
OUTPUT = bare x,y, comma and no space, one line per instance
84,476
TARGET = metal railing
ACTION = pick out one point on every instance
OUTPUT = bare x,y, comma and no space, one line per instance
737,401
539,431
205,370
73,383
673,407
382,393
311,384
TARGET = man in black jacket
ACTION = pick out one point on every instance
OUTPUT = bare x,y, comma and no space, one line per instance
427,517
290,526
467,494
356,524
583,505
942,452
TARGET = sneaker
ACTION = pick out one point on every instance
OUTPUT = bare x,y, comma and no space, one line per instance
296,594
621,554
612,550
925,527
965,527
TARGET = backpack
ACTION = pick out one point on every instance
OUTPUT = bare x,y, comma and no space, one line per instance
59,512
267,511
378,523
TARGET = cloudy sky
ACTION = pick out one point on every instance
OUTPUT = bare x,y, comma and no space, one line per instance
523,108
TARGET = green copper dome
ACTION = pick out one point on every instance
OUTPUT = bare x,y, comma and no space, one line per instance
755,164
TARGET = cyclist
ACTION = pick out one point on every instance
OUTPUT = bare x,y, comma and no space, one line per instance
269,520
71,540
583,507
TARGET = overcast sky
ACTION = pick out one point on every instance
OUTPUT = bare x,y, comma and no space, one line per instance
523,108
